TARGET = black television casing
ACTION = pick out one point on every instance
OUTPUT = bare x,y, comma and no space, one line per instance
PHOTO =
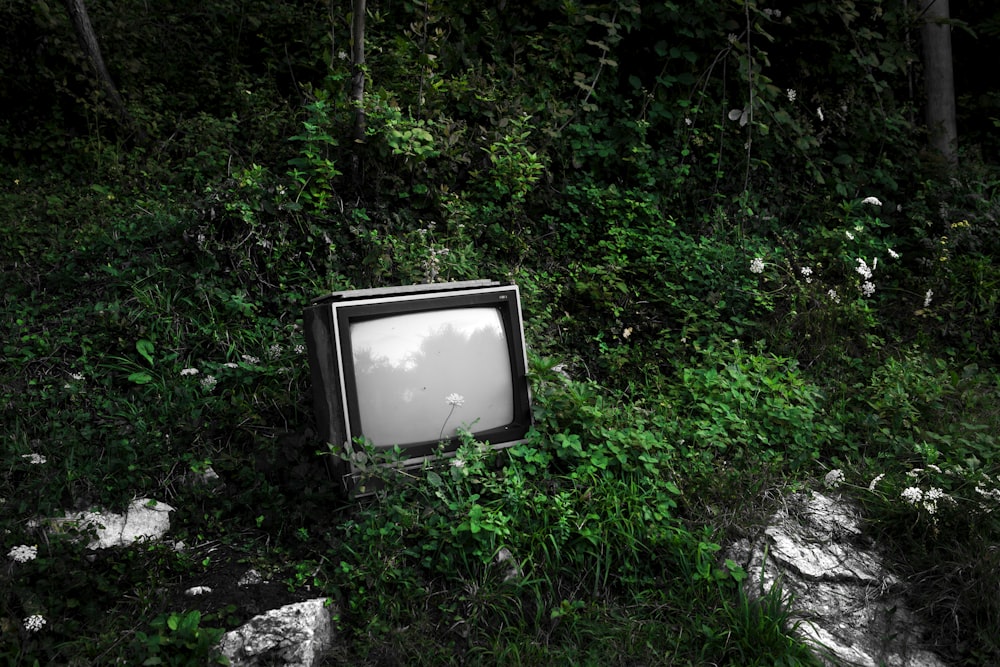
328,319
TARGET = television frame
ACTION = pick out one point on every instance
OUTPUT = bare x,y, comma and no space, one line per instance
327,325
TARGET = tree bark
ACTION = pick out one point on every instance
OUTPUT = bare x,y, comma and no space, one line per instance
358,82
92,50
939,81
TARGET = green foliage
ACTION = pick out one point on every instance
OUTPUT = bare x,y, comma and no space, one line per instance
180,640
754,406
631,171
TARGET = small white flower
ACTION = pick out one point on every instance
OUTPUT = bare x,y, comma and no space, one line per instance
912,495
34,459
862,268
250,359
927,298
874,482
457,462
34,623
300,348
757,265
873,201
76,376
833,479
791,94
819,112
688,121
893,253
455,400
806,273
832,293
189,371
208,382
342,55
231,365
274,351
23,553
849,235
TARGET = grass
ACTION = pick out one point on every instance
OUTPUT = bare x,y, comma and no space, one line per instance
612,514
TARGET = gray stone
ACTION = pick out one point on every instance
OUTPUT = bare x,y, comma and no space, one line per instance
144,519
843,598
295,635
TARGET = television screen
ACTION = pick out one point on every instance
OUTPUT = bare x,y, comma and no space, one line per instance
420,376
410,367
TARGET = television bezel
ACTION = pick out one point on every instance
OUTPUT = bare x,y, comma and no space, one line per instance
335,314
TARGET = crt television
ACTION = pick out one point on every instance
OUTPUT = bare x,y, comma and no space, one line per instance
408,367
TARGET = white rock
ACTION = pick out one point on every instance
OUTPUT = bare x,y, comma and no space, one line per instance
295,635
844,599
144,519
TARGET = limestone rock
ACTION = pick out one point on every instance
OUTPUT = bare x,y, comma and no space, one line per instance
144,519
843,597
295,635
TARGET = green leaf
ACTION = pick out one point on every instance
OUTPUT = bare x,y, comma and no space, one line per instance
145,348
140,378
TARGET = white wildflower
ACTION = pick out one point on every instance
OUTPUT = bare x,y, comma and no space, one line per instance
927,298
757,265
868,288
458,462
849,235
189,371
208,382
342,55
862,268
874,482
912,495
23,553
806,273
832,293
914,472
76,376
274,351
230,364
688,121
833,479
455,400
300,348
819,112
873,201
250,359
34,459
34,623
791,94
893,253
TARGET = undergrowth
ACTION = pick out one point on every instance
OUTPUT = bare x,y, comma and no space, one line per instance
722,304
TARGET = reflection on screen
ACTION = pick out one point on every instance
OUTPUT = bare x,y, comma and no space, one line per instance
412,369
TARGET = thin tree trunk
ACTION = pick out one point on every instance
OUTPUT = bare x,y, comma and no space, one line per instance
92,50
358,84
939,79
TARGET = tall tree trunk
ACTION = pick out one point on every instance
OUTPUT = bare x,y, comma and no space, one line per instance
358,81
939,81
92,50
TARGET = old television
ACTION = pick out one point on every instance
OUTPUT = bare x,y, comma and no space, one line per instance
409,366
